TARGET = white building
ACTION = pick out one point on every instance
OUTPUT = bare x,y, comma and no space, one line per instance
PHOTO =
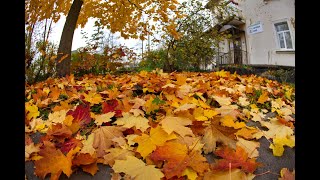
263,33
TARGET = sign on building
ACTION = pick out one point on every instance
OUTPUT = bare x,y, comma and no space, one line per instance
255,28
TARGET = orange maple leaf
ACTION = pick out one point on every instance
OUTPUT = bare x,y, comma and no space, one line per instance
53,161
59,131
263,97
54,93
87,162
237,158
177,159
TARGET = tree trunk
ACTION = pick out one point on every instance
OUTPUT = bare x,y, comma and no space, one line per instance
63,60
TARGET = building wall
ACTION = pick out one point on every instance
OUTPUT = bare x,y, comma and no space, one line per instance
262,47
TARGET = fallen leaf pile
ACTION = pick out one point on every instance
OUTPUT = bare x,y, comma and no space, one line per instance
155,125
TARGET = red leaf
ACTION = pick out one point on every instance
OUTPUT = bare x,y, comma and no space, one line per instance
70,144
110,106
237,158
81,114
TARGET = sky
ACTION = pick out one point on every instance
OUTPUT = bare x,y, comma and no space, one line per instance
79,41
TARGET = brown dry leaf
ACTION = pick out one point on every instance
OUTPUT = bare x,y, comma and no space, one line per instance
183,91
213,134
251,147
116,154
138,102
103,118
103,138
286,174
137,169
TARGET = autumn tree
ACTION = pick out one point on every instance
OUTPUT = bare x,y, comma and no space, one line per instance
195,45
129,17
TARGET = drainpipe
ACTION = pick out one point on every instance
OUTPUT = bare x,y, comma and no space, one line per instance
245,41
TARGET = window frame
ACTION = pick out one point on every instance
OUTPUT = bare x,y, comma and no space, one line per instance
283,33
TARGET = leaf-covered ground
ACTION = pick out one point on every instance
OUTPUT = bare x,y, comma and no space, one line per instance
155,125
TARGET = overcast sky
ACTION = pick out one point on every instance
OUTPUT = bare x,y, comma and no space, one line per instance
79,41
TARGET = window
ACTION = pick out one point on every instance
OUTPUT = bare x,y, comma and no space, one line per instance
283,35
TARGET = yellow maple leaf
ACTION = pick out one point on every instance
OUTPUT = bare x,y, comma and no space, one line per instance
143,73
284,111
93,98
230,121
223,101
222,73
68,120
200,103
137,169
190,173
243,101
288,93
198,114
279,142
57,116
128,120
149,106
247,132
209,113
149,142
130,139
102,118
263,97
88,145
276,129
181,79
177,124
63,105
32,111
185,107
